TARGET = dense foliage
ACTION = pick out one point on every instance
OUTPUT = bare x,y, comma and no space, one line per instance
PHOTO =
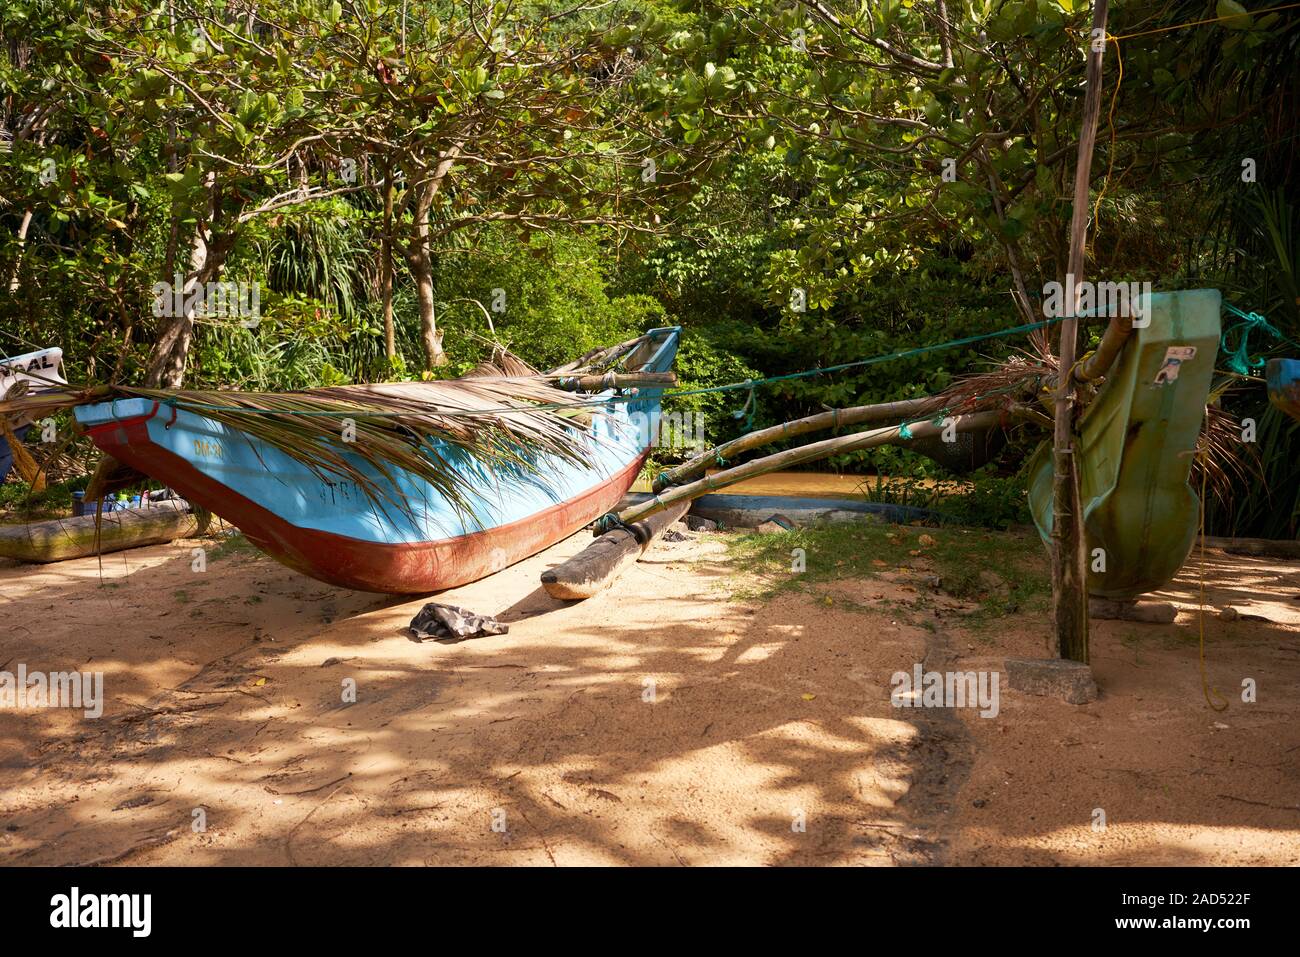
798,184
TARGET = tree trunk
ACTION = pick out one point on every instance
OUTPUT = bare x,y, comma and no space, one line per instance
22,245
421,263
171,351
386,267
420,258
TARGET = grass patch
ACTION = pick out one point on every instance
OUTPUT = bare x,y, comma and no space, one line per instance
233,543
1003,573
18,504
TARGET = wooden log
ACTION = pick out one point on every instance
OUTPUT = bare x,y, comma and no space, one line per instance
60,539
603,354
805,453
615,380
597,566
855,415
1151,612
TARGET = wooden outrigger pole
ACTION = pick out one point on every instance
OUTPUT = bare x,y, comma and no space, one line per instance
1069,561
595,568
832,419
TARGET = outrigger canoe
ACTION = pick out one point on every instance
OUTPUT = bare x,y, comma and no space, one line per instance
331,531
1136,444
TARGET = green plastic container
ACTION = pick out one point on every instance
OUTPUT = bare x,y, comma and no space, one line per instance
1137,442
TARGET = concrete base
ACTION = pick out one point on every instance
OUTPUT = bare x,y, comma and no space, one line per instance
1071,681
747,511
1151,612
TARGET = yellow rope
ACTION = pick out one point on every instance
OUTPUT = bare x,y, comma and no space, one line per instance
28,470
1197,23
1205,681
1110,121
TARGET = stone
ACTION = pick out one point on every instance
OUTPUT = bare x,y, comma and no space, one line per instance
1151,612
1071,681
775,524
697,524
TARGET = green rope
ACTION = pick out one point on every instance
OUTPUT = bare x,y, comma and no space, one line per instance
747,411
749,384
1239,360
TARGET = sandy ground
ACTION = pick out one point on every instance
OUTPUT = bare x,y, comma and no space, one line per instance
659,723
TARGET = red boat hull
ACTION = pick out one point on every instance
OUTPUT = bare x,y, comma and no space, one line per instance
404,569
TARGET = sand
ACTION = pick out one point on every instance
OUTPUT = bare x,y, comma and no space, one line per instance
664,722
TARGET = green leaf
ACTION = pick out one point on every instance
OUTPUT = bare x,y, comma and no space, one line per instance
1233,15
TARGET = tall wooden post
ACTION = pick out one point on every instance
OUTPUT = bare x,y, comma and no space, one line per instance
1069,554
386,266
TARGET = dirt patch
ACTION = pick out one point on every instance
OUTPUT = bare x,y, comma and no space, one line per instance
667,721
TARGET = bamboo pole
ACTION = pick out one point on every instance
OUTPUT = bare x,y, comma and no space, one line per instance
855,415
805,453
614,380
1112,342
598,355
1069,638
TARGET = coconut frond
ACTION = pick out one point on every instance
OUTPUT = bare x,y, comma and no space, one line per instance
1224,464
370,434
503,363
1018,378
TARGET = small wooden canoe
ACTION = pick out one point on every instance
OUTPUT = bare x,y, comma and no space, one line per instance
60,539
331,531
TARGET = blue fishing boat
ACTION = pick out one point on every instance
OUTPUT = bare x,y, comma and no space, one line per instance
1283,378
411,538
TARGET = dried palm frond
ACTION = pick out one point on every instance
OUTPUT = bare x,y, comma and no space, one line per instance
503,362
426,429
1224,464
1017,379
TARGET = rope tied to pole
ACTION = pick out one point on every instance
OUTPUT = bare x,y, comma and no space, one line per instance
1239,360
746,412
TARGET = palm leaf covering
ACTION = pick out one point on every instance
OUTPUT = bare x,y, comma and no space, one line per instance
423,428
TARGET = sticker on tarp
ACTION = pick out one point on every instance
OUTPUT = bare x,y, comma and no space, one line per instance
1175,356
